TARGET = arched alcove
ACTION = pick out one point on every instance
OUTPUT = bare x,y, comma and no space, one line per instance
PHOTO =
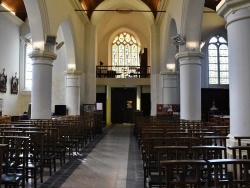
171,49
69,45
65,61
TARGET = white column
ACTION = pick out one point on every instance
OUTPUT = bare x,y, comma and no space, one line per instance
73,91
170,87
237,15
190,84
41,84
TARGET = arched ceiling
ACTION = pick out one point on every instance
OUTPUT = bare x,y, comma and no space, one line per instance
18,7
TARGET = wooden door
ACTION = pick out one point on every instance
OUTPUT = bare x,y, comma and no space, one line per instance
123,105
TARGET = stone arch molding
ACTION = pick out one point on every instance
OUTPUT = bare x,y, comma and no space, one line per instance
35,23
169,51
45,18
69,43
189,24
114,34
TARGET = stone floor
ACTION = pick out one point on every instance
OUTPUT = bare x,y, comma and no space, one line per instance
112,160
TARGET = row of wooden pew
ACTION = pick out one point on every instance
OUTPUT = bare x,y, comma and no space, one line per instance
191,154
29,146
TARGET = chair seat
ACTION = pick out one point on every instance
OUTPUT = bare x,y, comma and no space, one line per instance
155,180
11,177
48,156
32,165
49,160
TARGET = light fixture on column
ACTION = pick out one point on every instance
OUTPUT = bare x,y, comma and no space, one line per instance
178,40
59,45
50,39
170,67
202,44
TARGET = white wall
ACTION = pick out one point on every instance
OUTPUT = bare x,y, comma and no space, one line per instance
9,53
58,76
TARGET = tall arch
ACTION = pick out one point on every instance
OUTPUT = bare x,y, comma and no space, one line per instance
170,50
190,24
36,21
69,43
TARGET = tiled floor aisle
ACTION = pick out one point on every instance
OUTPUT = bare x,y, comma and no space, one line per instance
112,161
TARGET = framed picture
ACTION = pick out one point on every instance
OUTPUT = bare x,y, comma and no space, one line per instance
88,108
3,82
14,85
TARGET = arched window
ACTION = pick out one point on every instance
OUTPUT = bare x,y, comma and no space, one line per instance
25,63
218,61
28,67
125,52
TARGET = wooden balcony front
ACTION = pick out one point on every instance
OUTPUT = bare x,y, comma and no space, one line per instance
122,71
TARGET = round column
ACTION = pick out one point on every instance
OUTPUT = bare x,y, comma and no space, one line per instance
41,84
170,87
73,91
237,15
190,84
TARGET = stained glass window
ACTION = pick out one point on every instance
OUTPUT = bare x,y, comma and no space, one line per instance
125,52
218,60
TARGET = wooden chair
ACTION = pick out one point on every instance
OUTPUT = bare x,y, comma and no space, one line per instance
179,174
150,163
228,177
3,152
49,151
35,157
216,141
207,153
35,153
240,152
16,160
168,153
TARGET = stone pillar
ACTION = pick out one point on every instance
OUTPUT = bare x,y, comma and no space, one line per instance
170,87
237,15
73,91
41,84
190,84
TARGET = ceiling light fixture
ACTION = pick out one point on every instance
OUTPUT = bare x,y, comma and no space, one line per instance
124,11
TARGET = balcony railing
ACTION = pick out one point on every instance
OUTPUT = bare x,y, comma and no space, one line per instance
123,71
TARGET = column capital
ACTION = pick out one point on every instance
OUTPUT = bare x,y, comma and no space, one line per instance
43,55
188,55
72,72
226,7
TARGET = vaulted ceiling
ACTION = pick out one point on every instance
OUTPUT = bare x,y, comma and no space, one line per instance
18,7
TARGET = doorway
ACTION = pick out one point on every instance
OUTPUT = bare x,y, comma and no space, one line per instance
123,105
